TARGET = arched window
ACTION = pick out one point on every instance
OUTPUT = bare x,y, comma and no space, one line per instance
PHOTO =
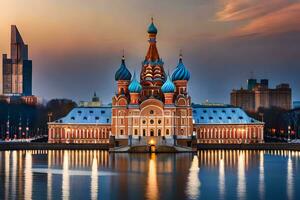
167,132
144,132
135,132
159,132
121,132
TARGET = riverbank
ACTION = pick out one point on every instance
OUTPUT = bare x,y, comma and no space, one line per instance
46,146
263,146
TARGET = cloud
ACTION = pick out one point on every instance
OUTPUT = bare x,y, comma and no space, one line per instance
235,10
284,20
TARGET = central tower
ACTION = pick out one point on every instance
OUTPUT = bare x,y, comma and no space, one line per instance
152,75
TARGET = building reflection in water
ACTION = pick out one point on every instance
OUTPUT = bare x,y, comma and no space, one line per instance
49,177
94,179
7,169
66,177
290,178
241,185
261,175
222,177
152,192
14,173
193,185
28,175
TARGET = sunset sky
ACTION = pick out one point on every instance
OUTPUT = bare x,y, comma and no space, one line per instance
76,45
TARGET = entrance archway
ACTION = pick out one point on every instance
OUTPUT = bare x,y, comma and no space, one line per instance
151,132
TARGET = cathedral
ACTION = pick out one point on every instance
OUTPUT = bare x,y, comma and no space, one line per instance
155,109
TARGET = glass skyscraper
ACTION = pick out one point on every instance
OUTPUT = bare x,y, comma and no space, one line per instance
17,70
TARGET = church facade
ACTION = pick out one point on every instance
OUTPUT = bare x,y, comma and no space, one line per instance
155,109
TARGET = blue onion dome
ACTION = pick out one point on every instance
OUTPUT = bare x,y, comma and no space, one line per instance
168,86
134,86
152,28
181,72
123,73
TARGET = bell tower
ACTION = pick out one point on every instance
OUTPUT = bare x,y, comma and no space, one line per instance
152,75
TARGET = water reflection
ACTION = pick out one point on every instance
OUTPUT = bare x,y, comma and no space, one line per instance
66,177
49,177
193,186
6,173
261,176
152,187
290,178
223,175
241,185
28,175
94,180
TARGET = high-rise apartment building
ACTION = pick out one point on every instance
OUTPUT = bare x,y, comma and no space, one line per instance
260,95
17,70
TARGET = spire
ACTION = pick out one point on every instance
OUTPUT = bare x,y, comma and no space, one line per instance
152,54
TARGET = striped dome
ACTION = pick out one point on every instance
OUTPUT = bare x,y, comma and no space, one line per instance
134,86
180,73
168,86
123,73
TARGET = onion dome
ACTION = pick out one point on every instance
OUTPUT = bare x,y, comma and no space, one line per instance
168,86
152,28
181,72
123,73
134,86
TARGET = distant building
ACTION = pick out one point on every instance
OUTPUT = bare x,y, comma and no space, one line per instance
260,95
156,109
17,70
296,104
96,102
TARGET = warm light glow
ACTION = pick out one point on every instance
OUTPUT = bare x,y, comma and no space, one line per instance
152,187
94,179
66,177
222,177
290,178
28,175
151,142
261,176
194,184
241,186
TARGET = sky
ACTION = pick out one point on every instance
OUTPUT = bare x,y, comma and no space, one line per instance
76,45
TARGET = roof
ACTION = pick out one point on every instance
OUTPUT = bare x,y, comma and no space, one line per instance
87,115
204,114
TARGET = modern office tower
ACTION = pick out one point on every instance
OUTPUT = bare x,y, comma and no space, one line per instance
17,70
260,95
